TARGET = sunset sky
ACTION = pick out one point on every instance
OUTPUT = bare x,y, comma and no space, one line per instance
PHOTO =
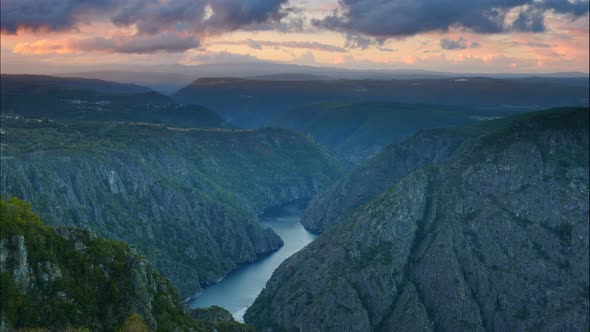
484,36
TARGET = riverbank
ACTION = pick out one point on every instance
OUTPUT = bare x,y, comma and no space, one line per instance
237,290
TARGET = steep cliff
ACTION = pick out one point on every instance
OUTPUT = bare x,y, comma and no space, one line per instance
366,181
186,198
495,239
68,278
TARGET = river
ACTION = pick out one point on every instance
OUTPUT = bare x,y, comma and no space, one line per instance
237,291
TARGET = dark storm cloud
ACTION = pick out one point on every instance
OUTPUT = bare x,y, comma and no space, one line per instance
459,44
47,14
396,18
234,14
530,19
198,15
150,16
576,9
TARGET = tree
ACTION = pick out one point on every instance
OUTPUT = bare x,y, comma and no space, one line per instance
134,323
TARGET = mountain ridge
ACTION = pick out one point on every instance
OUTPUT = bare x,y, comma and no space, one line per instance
257,103
95,100
454,246
188,199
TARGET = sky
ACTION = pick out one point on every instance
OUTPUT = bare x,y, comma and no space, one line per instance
482,36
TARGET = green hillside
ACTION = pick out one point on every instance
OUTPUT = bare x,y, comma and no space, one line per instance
187,198
94,100
70,279
356,131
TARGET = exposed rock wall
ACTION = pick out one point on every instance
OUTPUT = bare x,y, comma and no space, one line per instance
362,184
495,239
187,199
69,279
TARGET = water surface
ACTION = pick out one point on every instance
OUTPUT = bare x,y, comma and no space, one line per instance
237,291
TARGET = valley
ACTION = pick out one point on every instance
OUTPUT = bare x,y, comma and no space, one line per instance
306,205
454,245
238,290
294,166
187,199
69,279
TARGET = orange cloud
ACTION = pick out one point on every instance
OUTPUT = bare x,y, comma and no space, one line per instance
488,58
409,60
339,60
44,47
137,44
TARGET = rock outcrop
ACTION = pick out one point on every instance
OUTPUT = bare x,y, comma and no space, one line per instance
70,279
495,239
428,147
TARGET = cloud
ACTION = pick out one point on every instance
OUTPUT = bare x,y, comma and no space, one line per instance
533,44
46,14
158,25
306,58
399,18
253,44
459,44
409,60
149,16
576,8
119,44
287,19
234,14
221,57
386,49
259,44
358,41
530,19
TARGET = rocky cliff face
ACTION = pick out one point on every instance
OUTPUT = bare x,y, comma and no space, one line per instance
379,173
32,277
187,199
495,239
69,278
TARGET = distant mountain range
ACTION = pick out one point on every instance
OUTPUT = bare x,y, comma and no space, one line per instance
354,119
36,96
260,102
479,226
171,77
35,82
